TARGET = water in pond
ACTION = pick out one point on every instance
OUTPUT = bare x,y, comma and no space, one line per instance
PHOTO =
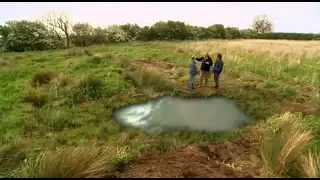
173,113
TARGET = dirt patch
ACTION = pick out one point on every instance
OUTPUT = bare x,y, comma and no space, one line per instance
237,158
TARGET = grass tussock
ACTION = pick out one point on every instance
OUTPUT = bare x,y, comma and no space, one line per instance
44,76
99,58
4,63
95,60
87,52
310,164
145,78
68,162
108,56
88,88
64,80
74,52
10,157
283,145
35,96
125,63
40,59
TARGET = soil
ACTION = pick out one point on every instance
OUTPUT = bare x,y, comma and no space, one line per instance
237,158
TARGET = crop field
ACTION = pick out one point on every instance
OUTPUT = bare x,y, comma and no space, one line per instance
56,111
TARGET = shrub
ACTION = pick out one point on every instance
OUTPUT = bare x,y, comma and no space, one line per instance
115,33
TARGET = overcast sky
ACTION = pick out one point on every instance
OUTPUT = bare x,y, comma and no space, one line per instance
286,16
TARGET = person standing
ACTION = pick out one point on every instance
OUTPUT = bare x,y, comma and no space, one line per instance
206,63
193,71
217,69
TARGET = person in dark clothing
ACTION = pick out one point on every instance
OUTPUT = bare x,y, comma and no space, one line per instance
217,69
206,63
193,71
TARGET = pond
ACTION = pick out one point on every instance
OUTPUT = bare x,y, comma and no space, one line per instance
167,114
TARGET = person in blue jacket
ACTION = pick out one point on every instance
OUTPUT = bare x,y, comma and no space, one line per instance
217,69
193,71
206,63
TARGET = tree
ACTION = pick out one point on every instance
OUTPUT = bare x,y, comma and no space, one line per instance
115,33
82,34
132,30
82,29
217,31
193,32
25,35
99,36
58,22
261,24
248,33
232,33
161,31
146,34
4,34
179,30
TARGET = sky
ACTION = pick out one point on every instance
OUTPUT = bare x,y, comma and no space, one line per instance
286,16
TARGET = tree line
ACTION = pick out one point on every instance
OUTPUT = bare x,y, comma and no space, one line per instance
55,31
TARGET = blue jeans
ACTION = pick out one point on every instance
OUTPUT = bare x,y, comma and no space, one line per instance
192,79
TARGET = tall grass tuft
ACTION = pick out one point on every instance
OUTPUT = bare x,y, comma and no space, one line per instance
283,145
68,163
144,77
310,165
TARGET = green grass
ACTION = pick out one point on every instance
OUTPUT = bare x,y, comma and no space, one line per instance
65,98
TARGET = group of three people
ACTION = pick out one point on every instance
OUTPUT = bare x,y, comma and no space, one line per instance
206,63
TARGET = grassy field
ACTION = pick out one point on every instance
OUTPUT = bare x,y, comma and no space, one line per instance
56,111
